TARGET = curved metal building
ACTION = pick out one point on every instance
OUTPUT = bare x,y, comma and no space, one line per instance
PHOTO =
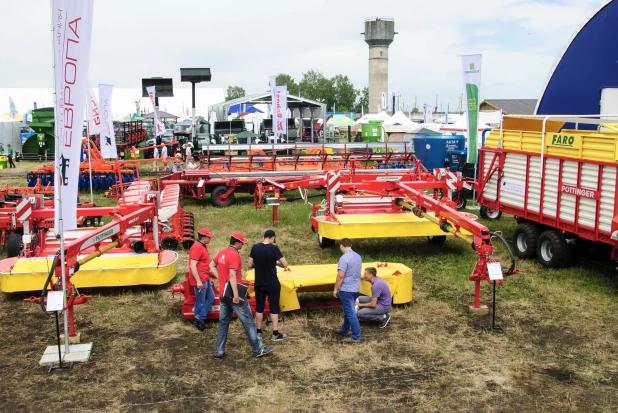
586,67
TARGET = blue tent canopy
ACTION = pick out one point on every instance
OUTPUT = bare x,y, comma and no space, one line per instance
242,107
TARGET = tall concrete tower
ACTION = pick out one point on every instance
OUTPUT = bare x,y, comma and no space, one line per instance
379,34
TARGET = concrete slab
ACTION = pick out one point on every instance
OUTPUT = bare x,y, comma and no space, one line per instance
78,353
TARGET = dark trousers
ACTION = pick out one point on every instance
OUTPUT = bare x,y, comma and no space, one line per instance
11,163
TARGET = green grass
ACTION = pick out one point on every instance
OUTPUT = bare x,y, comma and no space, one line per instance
558,354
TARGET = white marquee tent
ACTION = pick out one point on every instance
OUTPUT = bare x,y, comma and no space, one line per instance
9,133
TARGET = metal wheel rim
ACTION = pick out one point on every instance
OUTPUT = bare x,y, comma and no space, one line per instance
522,242
492,213
546,252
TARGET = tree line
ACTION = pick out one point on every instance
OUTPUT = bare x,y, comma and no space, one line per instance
337,91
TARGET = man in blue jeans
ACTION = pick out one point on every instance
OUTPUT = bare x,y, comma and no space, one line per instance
347,289
228,265
199,277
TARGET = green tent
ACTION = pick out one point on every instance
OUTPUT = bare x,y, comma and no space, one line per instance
247,134
340,120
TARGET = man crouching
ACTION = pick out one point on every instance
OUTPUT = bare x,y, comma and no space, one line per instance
378,306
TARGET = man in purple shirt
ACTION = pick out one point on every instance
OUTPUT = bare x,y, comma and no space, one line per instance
347,288
376,307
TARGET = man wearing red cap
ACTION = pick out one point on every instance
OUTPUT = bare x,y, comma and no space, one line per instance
228,266
199,277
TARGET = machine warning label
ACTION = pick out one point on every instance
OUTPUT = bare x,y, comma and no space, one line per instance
514,187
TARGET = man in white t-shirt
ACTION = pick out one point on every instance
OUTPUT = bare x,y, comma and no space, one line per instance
155,163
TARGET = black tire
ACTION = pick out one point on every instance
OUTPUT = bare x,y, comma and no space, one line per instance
13,245
462,201
490,213
169,243
552,250
525,240
216,197
325,242
436,239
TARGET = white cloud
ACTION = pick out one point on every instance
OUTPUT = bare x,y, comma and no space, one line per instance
519,40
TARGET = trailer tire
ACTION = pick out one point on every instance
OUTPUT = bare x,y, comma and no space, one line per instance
436,239
490,213
552,250
13,245
216,197
325,242
525,240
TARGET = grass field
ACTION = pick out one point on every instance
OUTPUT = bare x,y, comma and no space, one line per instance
559,353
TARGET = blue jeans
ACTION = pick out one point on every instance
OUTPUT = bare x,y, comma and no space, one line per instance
203,301
243,311
350,320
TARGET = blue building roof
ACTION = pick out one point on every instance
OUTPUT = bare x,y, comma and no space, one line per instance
587,65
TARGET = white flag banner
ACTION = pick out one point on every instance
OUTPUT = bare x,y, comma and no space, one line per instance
159,126
72,25
273,84
280,110
12,108
94,118
107,136
471,67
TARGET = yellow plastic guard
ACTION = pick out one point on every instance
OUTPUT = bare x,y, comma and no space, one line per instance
321,278
112,270
356,226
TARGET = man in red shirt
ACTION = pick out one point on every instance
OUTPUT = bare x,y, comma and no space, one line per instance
199,277
228,266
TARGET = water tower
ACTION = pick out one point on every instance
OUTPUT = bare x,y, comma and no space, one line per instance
379,34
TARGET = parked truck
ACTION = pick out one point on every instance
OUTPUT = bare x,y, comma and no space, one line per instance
558,181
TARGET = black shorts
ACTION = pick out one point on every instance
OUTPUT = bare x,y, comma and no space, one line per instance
273,292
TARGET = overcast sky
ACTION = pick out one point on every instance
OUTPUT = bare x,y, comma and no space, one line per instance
244,42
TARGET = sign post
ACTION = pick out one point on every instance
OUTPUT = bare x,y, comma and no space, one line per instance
495,274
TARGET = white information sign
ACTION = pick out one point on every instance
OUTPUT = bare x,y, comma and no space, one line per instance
514,187
495,271
55,301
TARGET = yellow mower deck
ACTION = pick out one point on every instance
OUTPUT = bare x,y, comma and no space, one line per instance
356,226
111,270
321,278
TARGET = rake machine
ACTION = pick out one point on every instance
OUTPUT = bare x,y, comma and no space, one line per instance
104,173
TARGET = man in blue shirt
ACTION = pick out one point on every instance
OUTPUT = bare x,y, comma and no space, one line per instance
347,288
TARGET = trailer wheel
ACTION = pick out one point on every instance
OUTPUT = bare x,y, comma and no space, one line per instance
552,250
436,239
218,199
490,213
525,240
325,242
13,245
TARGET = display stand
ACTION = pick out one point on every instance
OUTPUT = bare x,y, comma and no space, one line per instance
495,274
60,365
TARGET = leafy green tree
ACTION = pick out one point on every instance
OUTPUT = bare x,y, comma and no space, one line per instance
314,85
363,100
283,79
235,92
345,94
